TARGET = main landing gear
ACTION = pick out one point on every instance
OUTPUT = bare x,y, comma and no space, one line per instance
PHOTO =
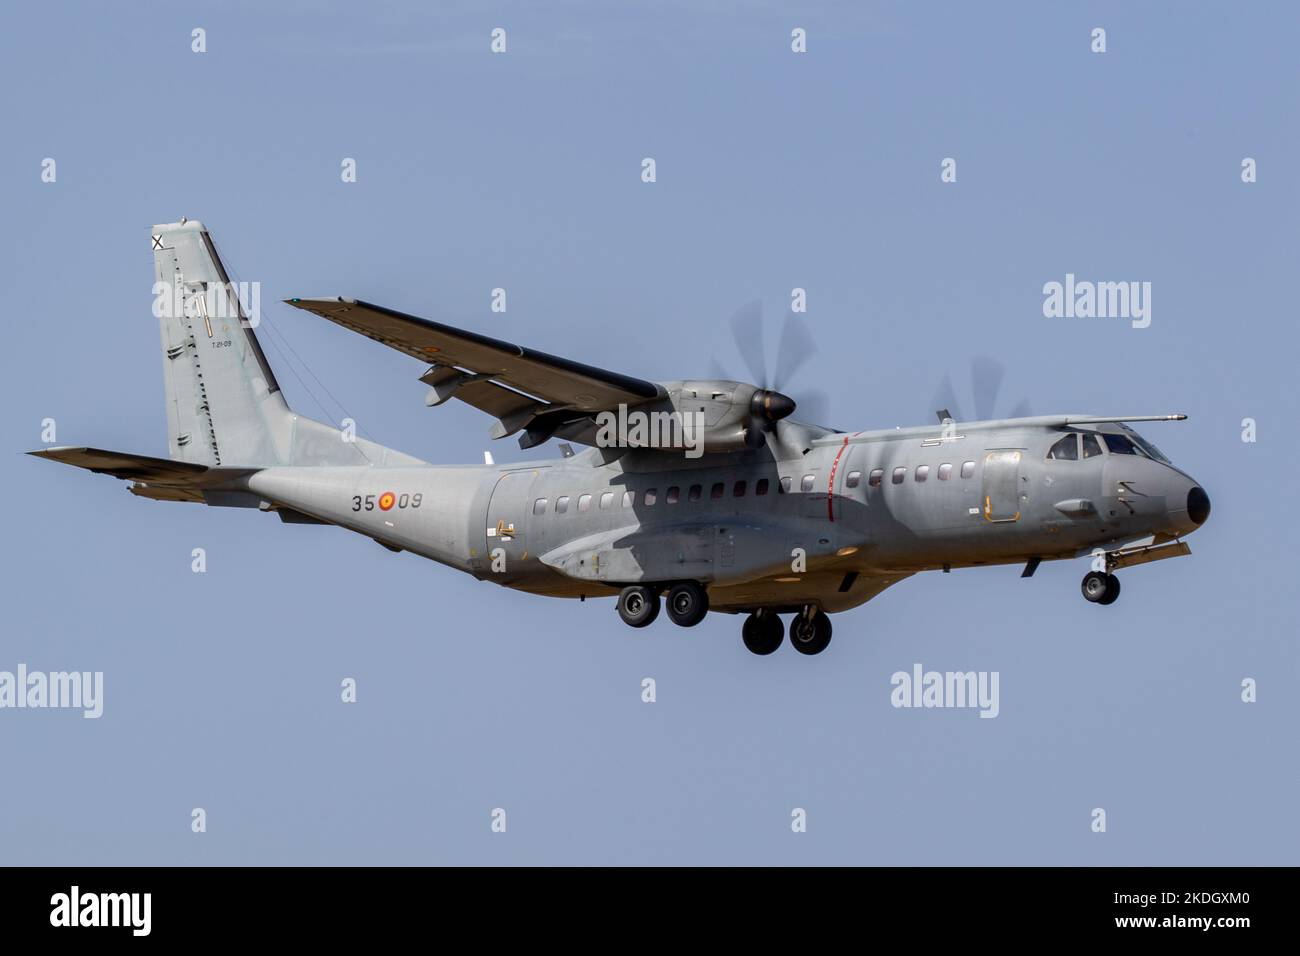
762,632
1100,588
810,631
688,602
638,605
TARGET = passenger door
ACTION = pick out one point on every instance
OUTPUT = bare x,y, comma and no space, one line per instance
508,513
1002,486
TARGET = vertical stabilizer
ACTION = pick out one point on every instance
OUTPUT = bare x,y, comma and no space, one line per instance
224,406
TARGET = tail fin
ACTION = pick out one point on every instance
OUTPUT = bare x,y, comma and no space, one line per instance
224,405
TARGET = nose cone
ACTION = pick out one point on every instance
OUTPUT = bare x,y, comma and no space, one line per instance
771,405
1198,505
1189,506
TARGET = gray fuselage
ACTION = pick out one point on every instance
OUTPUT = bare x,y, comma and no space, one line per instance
829,519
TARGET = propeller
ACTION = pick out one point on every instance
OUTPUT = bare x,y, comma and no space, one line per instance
796,348
747,331
770,404
986,377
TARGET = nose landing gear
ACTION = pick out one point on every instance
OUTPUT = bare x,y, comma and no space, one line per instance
1100,588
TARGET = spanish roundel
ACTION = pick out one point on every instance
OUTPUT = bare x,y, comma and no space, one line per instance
385,501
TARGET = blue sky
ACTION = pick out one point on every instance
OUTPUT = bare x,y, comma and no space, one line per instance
522,171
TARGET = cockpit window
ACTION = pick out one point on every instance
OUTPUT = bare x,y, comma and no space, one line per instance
1091,449
1119,445
1067,449
1146,446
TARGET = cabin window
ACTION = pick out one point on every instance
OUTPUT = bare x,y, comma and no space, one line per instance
738,489
785,485
760,486
561,504
1090,447
539,506
852,480
606,500
694,493
718,490
629,499
651,495
806,484
1119,445
967,469
584,503
1067,449
899,475
922,472
674,495
874,478
945,471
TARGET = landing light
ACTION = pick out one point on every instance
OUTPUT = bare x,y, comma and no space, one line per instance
845,552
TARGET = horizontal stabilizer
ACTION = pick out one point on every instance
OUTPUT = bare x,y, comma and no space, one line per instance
160,478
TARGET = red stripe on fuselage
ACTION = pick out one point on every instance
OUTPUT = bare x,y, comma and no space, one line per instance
830,482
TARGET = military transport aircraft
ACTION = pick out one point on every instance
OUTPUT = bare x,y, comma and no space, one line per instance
706,490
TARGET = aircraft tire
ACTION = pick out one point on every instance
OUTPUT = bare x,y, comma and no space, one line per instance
762,633
810,635
1096,586
688,602
1112,590
638,605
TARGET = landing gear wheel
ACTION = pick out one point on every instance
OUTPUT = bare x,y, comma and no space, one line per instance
810,633
1112,590
638,605
1100,588
762,633
687,604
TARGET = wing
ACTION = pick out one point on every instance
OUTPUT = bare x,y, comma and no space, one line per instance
522,388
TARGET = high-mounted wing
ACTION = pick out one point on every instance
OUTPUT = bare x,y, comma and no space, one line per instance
522,388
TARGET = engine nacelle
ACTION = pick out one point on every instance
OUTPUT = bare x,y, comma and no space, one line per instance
696,417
